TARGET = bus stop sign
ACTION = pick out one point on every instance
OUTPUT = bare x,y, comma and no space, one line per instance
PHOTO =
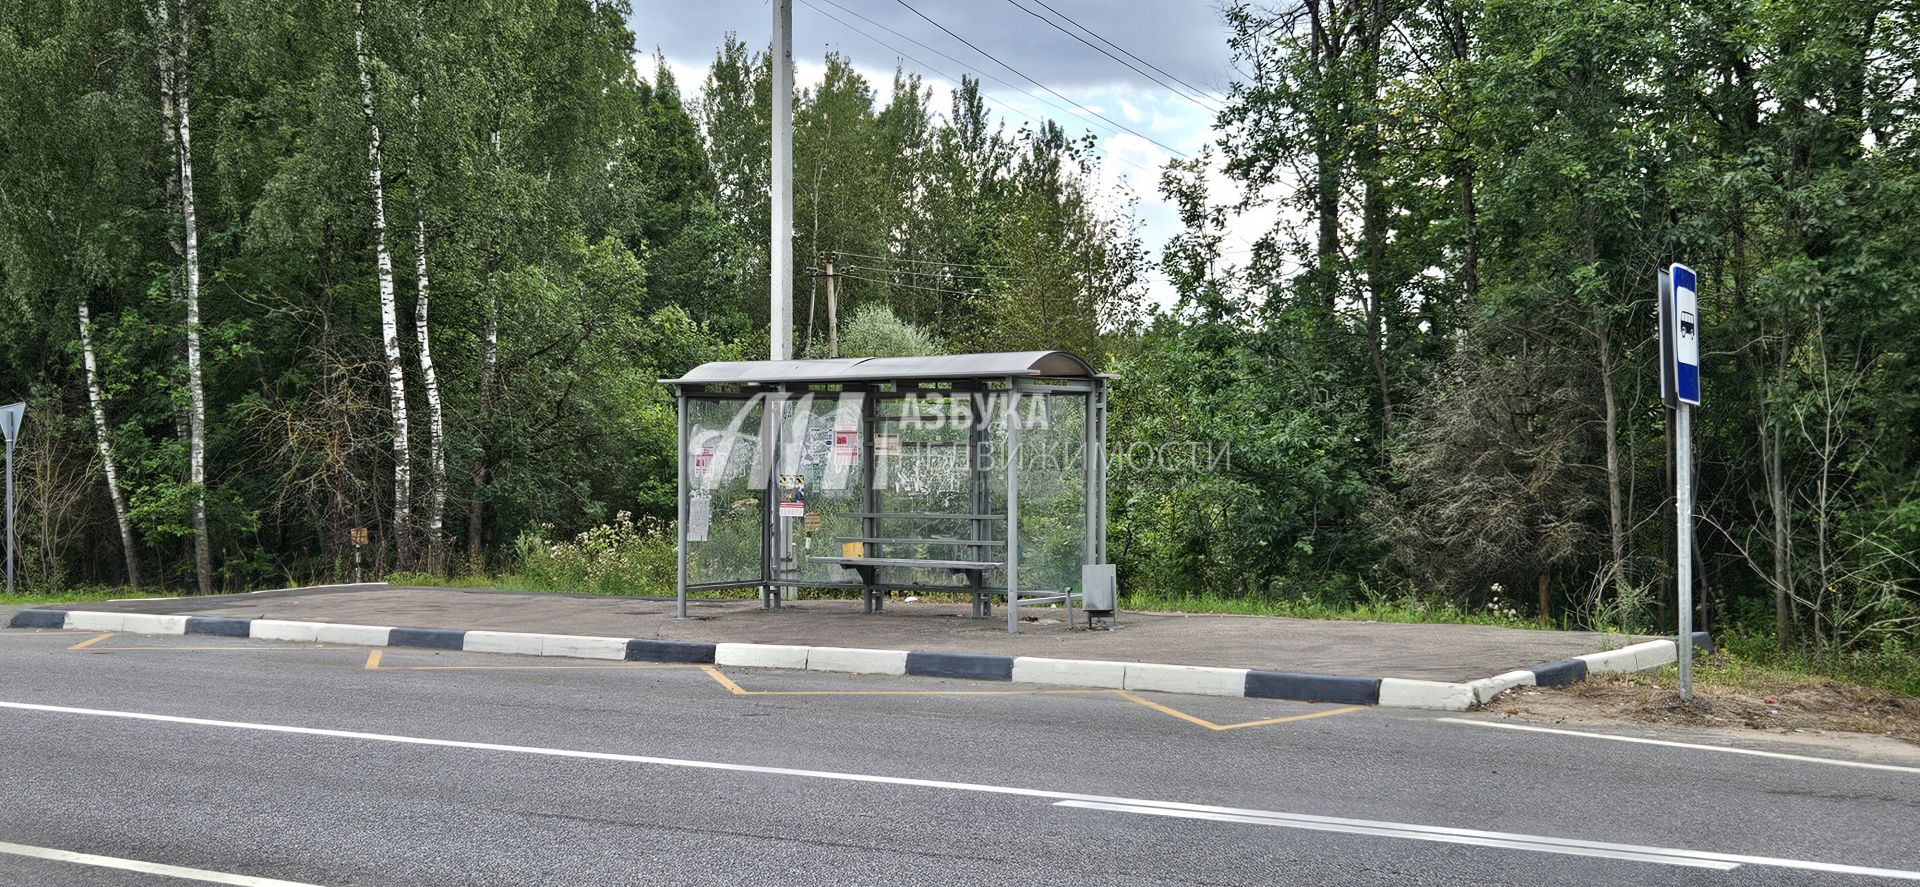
1680,327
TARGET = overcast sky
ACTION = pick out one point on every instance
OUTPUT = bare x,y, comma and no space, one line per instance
1145,123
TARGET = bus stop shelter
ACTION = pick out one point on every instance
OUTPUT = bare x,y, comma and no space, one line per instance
976,474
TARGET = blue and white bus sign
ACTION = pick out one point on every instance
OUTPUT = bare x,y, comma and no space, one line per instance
1685,313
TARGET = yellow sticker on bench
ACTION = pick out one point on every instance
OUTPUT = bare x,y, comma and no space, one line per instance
853,549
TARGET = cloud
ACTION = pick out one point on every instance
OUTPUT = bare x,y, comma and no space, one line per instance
1186,39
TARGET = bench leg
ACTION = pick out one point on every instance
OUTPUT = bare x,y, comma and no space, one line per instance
868,600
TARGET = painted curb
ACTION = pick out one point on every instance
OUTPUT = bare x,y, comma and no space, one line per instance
1313,687
1199,680
351,635
219,627
643,650
282,630
1086,673
761,656
857,661
1564,673
584,647
1485,689
1093,673
428,638
971,666
1432,695
38,619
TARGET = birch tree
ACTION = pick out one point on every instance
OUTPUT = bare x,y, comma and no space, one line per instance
389,312
174,67
436,424
105,445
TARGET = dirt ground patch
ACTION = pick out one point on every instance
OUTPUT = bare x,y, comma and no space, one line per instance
1780,706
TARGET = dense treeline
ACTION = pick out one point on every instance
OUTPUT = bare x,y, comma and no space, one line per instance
275,271
1444,376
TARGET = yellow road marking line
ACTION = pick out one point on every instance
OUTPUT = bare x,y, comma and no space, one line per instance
1305,717
91,641
1192,719
719,677
630,666
725,681
248,648
922,692
738,690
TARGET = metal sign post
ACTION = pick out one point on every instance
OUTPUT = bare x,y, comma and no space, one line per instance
10,425
1680,388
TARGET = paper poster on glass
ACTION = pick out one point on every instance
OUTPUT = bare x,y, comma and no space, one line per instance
699,515
793,495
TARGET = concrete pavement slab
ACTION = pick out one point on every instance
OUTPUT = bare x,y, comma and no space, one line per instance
1448,653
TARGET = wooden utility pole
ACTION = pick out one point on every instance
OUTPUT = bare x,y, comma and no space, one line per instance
833,305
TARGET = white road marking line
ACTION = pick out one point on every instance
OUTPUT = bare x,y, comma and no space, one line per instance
1424,833
1667,742
150,868
1675,855
1572,846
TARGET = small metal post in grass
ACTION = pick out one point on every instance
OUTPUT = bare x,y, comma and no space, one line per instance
10,424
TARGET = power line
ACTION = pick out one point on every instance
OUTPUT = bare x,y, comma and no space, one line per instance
930,289
949,77
996,60
941,262
1127,64
1069,19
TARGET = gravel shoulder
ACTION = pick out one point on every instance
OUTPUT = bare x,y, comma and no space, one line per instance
1806,710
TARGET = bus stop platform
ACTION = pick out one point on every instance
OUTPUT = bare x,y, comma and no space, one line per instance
1428,652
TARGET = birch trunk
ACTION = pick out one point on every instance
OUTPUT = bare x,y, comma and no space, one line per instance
436,426
175,69
106,446
389,313
1616,515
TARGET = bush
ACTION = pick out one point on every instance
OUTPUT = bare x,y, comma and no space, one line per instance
624,557
874,331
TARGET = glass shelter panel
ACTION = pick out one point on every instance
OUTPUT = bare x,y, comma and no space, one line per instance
1052,489
927,490
821,484
726,490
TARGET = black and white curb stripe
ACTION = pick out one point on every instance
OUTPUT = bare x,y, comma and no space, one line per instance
1078,673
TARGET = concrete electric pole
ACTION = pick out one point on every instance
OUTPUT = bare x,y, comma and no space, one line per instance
780,336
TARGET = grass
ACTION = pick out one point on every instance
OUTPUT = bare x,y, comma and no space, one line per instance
1893,666
1315,607
78,595
435,580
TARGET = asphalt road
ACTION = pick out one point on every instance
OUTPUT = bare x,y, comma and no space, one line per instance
245,760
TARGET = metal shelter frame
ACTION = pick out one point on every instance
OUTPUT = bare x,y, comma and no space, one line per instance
998,393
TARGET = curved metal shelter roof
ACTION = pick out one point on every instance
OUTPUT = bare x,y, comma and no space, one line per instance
1030,364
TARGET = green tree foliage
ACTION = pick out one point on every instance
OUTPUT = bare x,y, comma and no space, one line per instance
1456,311
587,227
874,331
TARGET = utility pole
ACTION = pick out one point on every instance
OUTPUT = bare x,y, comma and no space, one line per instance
10,416
781,319
833,306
